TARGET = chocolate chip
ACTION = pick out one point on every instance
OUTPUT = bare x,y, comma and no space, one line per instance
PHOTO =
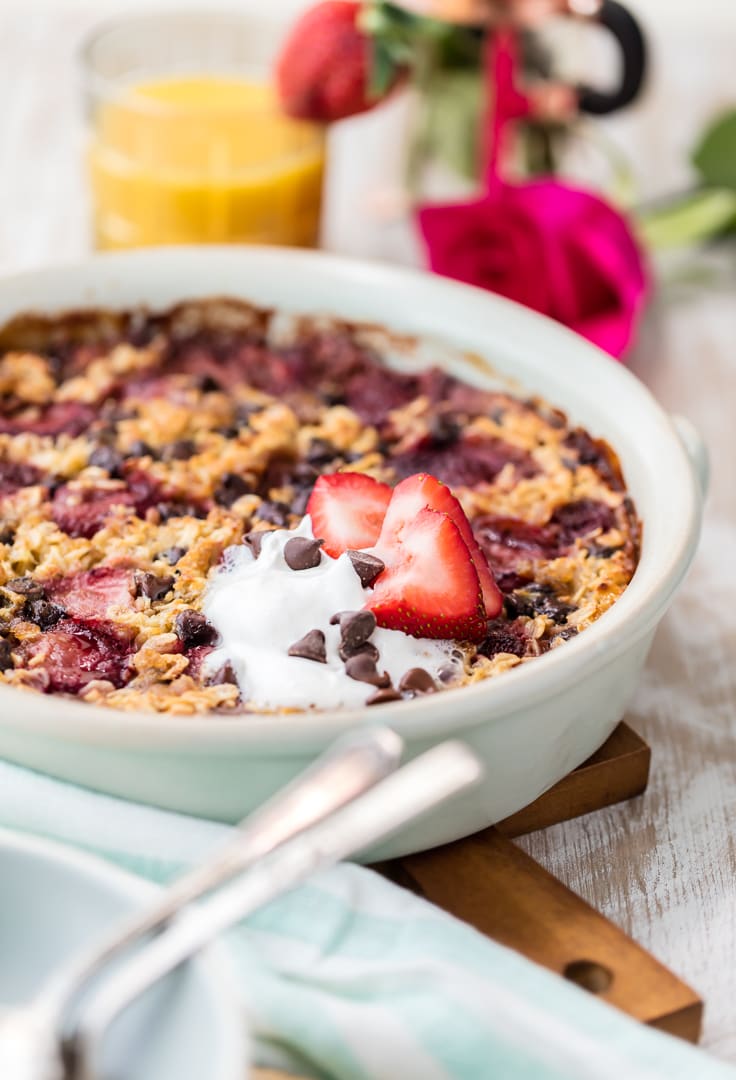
362,668
443,431
232,487
246,410
168,510
355,628
381,697
302,553
138,448
223,676
310,647
151,585
43,613
181,450
254,539
173,554
7,535
368,649
26,586
193,629
300,501
104,457
6,656
367,567
418,681
275,513
208,384
321,452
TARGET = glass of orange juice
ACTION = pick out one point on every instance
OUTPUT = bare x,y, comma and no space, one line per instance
187,143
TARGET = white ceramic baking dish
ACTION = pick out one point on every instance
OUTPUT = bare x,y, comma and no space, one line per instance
532,725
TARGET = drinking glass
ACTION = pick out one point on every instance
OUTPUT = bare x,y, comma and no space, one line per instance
187,143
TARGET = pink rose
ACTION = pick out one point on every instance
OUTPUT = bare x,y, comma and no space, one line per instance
556,249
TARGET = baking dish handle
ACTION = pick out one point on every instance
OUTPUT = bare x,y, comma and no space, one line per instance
695,448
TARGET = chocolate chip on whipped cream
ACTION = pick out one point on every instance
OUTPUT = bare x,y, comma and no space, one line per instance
310,647
366,649
384,695
355,628
417,681
363,668
302,553
366,566
223,675
254,539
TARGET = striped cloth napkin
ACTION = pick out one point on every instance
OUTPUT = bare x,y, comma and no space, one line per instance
352,977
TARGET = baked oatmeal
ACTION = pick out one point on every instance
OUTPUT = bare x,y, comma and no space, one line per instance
144,457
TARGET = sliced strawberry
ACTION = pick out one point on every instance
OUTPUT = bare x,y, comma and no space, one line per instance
422,490
430,587
347,510
77,651
89,594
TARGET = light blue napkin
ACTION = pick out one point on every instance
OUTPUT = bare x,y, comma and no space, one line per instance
351,977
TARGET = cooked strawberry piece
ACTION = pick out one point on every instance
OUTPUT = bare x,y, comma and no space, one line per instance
374,392
82,512
64,417
197,657
13,477
417,492
464,463
582,517
323,72
75,652
88,595
503,637
509,542
430,587
347,510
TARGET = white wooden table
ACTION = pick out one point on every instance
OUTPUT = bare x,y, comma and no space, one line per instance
664,866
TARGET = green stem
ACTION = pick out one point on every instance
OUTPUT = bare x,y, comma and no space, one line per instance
698,217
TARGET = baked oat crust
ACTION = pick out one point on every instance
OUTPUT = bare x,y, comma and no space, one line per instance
136,447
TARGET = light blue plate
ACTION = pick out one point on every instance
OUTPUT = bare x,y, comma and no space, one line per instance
54,901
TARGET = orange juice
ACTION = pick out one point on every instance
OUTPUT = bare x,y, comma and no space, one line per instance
203,159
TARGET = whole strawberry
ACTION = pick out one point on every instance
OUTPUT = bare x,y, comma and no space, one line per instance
326,69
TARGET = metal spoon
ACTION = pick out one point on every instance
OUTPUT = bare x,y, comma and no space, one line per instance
30,1047
424,783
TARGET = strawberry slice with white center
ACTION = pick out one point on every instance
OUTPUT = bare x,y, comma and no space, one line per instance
430,586
420,491
90,593
347,510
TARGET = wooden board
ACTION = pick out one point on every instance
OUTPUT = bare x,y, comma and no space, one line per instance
488,882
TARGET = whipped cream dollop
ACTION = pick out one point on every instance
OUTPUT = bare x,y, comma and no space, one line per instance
260,607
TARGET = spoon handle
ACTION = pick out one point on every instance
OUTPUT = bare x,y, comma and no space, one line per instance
351,766
422,784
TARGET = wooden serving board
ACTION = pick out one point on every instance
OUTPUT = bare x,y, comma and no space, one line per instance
490,883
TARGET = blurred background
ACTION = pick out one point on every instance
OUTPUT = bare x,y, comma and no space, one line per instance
645,148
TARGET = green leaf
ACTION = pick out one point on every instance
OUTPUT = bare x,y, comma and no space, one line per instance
695,219
715,155
383,71
453,103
